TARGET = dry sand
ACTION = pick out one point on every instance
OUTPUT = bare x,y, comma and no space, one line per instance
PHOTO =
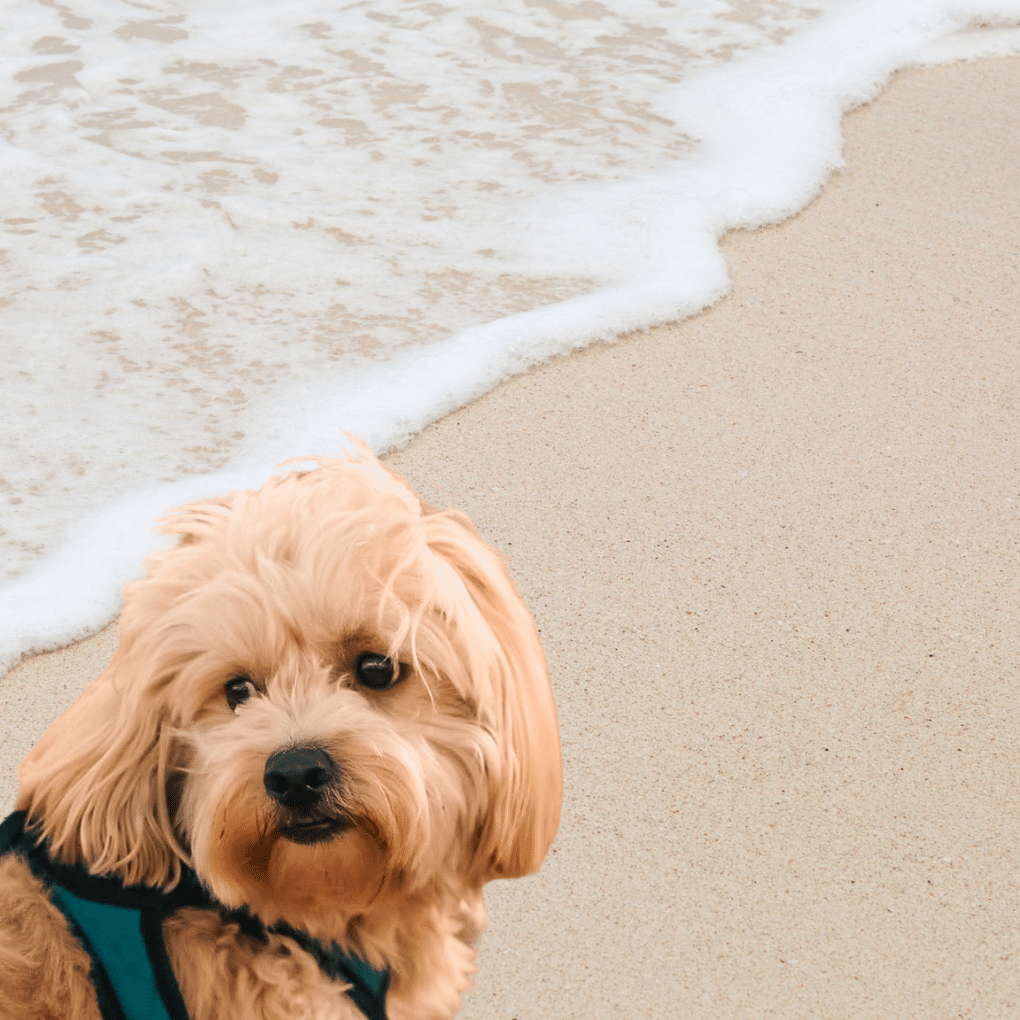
773,554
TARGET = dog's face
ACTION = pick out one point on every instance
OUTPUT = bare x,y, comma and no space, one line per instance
324,697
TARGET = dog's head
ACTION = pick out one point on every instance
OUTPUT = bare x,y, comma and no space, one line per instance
325,695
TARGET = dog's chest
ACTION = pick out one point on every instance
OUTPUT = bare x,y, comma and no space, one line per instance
224,975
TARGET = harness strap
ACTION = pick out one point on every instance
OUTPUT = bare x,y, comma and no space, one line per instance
130,969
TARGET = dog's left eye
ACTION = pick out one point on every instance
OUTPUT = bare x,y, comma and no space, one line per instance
377,672
238,690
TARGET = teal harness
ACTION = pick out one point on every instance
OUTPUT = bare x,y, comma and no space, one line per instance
121,929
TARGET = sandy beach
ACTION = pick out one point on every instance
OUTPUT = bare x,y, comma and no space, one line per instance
773,554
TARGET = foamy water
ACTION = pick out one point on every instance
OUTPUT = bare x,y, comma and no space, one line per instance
234,230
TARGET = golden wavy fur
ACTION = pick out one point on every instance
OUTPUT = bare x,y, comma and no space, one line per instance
271,627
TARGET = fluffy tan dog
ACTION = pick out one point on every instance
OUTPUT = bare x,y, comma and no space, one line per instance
331,706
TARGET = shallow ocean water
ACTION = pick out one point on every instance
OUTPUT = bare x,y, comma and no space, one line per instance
233,231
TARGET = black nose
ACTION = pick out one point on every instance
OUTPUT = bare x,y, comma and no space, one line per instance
299,776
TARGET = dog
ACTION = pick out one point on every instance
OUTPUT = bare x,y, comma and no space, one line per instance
328,723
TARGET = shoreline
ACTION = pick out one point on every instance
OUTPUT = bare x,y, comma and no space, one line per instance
771,551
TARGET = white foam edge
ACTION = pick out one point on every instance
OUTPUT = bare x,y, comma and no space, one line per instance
73,592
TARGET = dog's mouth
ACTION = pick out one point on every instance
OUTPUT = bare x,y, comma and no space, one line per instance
308,831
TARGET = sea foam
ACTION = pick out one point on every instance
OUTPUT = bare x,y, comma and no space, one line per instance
236,230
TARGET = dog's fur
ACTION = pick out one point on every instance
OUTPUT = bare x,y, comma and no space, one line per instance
448,779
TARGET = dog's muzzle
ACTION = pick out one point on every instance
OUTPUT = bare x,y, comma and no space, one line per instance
299,779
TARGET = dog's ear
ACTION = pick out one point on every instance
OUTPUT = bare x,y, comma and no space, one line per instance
516,701
98,783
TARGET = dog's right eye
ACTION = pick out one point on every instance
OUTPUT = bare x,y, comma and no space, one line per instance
238,690
377,672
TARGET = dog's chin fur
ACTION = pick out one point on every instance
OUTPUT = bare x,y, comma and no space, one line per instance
449,778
